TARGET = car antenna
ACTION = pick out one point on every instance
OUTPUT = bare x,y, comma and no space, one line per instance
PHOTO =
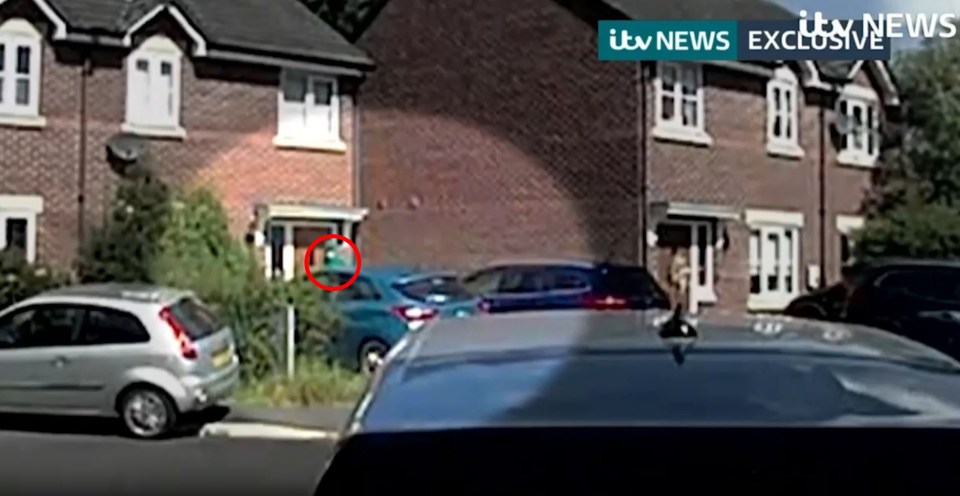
679,334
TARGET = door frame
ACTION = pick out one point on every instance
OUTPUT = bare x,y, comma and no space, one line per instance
289,250
698,293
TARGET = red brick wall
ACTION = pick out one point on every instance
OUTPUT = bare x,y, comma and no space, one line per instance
228,111
488,135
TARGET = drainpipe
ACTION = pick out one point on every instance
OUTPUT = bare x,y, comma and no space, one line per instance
85,72
642,162
357,162
824,135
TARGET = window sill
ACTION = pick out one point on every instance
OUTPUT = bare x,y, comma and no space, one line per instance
854,159
785,150
325,145
766,303
23,121
682,135
178,132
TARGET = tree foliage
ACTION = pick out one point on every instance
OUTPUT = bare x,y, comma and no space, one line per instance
914,210
348,17
124,248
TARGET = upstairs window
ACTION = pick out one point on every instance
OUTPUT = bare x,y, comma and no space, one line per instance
308,109
20,49
783,113
680,96
153,85
858,119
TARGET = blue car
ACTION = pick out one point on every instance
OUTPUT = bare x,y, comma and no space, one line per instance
540,285
385,303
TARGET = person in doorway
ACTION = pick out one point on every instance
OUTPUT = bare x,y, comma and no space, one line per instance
333,255
680,279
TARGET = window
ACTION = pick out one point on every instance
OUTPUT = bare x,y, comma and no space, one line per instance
40,326
932,283
847,225
774,261
859,123
783,113
680,102
153,86
484,282
20,48
361,290
561,279
18,224
308,109
104,326
521,281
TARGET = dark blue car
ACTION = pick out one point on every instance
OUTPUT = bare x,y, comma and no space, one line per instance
385,303
559,285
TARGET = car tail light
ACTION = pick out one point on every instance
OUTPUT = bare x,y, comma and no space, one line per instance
187,348
606,302
483,307
415,313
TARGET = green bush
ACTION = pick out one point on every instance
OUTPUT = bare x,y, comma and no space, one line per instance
197,251
20,280
123,249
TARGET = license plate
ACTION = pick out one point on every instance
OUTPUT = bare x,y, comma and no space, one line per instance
222,357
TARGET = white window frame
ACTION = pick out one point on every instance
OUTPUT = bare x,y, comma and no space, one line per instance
777,223
25,207
847,225
306,137
674,129
15,33
783,101
142,120
854,97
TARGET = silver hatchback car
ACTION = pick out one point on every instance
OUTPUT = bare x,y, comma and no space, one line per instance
144,354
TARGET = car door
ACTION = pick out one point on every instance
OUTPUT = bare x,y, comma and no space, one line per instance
365,314
521,290
563,287
485,284
109,343
35,344
923,304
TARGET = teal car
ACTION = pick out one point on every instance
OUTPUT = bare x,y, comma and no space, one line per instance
385,303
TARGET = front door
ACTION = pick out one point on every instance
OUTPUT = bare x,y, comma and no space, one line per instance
686,245
673,250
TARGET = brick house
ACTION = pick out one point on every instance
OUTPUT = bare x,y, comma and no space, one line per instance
253,98
489,135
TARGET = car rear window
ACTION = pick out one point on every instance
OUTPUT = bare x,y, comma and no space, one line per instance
435,289
628,281
198,320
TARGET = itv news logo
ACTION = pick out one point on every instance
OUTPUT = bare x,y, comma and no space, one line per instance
865,39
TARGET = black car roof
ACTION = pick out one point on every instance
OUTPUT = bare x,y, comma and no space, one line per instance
531,332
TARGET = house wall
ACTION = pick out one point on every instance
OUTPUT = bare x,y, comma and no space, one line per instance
488,135
229,112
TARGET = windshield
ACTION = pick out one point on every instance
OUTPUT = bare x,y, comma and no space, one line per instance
198,320
435,289
712,387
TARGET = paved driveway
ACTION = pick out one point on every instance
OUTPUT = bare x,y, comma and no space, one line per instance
89,459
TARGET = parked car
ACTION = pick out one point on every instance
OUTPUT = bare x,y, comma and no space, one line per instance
918,299
557,285
145,354
592,402
825,303
385,303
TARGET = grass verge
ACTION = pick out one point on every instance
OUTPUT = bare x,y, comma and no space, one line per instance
314,383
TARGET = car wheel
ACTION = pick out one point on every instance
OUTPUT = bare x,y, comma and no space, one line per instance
147,413
371,355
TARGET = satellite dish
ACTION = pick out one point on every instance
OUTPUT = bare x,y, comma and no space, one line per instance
125,148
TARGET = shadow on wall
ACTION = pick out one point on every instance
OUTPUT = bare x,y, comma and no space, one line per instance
495,136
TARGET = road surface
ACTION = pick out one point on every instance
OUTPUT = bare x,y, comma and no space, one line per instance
94,461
